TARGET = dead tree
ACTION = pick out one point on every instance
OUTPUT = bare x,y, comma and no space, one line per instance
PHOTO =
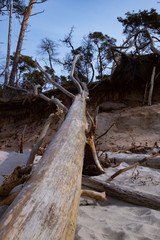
47,206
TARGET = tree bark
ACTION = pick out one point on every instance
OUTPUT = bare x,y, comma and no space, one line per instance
123,193
19,44
9,44
47,206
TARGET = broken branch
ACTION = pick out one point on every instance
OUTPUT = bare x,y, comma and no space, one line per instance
56,101
133,166
90,142
106,131
40,140
100,196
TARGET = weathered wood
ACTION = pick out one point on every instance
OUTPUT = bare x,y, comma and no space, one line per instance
17,177
80,91
133,158
40,139
100,196
48,78
56,101
90,141
47,206
138,163
123,193
152,86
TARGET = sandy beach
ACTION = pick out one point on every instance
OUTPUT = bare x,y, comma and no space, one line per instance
113,219
117,219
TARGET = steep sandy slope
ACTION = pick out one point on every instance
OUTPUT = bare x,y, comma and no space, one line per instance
134,127
137,128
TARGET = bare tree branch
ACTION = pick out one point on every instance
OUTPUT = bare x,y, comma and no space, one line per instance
14,88
155,50
156,38
72,74
54,83
133,166
34,14
106,131
56,101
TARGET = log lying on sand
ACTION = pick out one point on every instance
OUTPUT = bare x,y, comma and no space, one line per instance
123,193
133,158
47,206
100,196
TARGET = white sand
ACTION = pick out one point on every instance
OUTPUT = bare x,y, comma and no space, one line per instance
118,220
114,219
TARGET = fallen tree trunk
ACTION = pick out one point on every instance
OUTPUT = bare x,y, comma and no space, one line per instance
133,158
47,206
123,193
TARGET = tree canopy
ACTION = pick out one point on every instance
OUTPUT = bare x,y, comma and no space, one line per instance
97,49
18,7
142,19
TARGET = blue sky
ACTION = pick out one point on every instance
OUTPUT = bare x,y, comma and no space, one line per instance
60,15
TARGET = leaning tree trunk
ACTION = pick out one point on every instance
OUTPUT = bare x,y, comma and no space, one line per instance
47,206
9,44
19,44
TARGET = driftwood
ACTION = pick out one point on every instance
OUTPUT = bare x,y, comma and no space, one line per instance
133,158
47,206
132,166
40,139
19,176
22,173
123,193
90,141
100,196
